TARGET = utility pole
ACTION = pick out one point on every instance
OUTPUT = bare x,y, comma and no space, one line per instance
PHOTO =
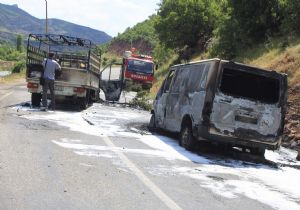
46,17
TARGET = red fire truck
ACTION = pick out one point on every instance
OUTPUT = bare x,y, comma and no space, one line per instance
138,69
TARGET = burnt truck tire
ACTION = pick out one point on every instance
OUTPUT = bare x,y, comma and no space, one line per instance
36,99
152,124
186,138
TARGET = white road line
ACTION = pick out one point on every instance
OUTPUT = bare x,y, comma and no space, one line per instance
6,95
158,192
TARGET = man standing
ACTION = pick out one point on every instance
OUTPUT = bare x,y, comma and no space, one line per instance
50,65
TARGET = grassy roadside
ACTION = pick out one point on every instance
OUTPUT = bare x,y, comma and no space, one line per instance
16,77
6,65
160,74
16,67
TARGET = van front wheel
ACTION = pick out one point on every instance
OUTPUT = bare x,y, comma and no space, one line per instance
187,139
152,124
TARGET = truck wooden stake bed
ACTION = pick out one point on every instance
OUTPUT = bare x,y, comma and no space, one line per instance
80,62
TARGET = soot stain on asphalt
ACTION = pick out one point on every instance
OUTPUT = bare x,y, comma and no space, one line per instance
216,178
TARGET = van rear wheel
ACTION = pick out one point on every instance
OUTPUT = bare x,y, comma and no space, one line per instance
187,139
258,151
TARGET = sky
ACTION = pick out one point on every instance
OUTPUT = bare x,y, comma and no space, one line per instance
110,16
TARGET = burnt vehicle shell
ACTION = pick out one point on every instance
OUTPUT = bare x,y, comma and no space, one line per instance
223,102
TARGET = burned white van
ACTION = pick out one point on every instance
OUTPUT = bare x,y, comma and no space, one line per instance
224,102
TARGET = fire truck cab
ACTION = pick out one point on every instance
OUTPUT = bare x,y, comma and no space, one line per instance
135,69
138,69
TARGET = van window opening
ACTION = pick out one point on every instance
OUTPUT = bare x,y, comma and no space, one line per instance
252,86
140,66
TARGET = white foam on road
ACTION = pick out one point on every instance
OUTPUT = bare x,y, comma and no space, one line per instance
94,150
283,156
278,188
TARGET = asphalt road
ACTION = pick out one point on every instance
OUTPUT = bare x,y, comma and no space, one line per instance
104,158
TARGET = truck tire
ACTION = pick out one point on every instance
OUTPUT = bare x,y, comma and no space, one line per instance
83,103
152,124
36,99
90,95
97,95
186,138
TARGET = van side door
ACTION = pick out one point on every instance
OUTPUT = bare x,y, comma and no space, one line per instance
197,90
175,100
161,101
187,95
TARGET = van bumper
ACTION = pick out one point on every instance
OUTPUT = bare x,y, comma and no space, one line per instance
266,142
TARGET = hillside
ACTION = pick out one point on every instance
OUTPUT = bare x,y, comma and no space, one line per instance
14,20
284,60
142,37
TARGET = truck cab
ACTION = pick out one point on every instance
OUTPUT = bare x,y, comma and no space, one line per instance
138,69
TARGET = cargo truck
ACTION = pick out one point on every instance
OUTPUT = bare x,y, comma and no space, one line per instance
80,68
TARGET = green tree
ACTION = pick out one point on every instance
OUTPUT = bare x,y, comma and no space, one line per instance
256,18
182,23
245,23
291,13
20,43
144,30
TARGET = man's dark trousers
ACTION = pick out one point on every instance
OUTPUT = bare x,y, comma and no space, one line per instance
49,84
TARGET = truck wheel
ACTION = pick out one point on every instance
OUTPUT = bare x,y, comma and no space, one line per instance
258,151
83,103
90,97
97,96
36,99
187,139
152,124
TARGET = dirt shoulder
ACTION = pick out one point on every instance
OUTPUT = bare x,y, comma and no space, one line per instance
13,79
292,121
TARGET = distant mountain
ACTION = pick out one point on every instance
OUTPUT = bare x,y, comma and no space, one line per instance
14,21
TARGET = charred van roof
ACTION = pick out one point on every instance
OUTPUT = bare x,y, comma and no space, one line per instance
201,61
236,64
254,69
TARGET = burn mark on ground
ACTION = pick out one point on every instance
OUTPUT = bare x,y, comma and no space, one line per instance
216,178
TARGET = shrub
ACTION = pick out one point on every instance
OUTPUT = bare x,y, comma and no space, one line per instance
19,66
